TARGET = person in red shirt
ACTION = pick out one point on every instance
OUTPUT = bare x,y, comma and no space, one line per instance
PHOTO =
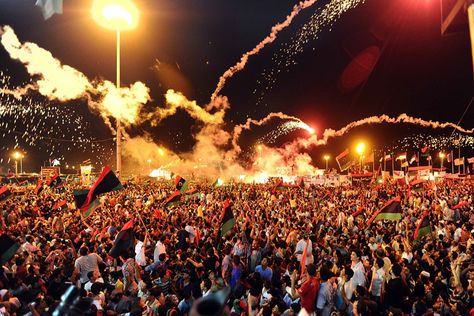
308,291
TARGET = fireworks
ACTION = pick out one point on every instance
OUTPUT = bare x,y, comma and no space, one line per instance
56,130
285,57
285,129
438,143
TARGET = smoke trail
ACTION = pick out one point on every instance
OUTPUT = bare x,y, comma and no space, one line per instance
300,143
175,100
267,40
62,82
238,129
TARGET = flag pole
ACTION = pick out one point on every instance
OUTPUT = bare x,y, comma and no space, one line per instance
418,158
384,163
373,161
393,163
459,157
452,162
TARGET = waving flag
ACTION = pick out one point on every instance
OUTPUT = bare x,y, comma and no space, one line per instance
174,199
227,218
402,156
181,184
392,210
50,7
55,181
125,240
343,160
423,228
106,182
39,186
5,193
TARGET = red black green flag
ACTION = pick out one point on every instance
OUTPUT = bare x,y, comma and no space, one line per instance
343,160
425,151
278,186
55,181
417,185
125,240
39,186
423,228
60,205
107,182
227,218
8,248
359,212
181,184
392,210
5,193
80,197
174,199
460,205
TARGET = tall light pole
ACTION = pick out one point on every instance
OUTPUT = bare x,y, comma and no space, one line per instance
116,15
442,155
326,157
360,150
17,155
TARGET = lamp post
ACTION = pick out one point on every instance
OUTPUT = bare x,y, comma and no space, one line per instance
116,15
441,156
360,150
17,155
326,157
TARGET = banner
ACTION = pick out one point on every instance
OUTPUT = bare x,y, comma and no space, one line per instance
48,172
397,174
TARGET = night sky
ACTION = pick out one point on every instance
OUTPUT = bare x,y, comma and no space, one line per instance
416,70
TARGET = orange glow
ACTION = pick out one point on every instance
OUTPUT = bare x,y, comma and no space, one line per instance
116,15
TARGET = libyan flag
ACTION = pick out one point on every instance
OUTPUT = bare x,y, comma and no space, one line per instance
5,193
86,200
227,218
8,248
39,186
278,186
343,160
181,184
417,185
60,205
174,199
125,240
423,228
55,181
392,210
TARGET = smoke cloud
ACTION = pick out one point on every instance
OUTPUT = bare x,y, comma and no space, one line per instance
63,83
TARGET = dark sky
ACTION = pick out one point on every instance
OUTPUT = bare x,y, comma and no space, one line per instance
418,71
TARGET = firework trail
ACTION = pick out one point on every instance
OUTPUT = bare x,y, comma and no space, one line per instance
238,129
285,57
402,118
285,129
267,40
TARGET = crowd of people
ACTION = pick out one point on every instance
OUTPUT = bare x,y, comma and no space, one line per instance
300,250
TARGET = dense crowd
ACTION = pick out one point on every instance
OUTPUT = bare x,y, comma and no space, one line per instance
179,256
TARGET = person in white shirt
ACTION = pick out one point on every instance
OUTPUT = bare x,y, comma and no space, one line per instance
159,248
140,248
300,246
358,268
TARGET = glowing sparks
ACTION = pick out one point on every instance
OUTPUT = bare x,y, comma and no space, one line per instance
286,57
267,40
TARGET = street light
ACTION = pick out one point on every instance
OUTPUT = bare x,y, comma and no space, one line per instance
360,150
18,155
442,155
116,15
326,157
